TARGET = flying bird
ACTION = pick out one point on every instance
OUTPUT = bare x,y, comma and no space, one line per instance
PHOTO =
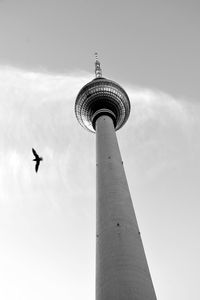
37,159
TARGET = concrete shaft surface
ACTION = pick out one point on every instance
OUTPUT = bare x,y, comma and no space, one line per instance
121,268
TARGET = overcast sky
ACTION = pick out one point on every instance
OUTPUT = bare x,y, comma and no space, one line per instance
47,220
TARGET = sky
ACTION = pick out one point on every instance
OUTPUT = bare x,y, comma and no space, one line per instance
47,220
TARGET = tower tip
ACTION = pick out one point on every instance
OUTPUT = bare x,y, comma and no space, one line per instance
96,55
98,71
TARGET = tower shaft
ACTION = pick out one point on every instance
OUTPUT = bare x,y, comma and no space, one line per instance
122,272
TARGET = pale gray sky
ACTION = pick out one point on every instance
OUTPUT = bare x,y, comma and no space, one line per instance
47,221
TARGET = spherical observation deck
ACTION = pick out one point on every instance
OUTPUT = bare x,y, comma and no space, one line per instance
99,97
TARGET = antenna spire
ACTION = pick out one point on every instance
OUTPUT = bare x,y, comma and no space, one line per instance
98,71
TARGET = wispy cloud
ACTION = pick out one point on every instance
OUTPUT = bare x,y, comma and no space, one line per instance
162,130
37,110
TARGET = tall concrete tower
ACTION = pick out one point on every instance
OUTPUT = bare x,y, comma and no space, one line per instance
122,273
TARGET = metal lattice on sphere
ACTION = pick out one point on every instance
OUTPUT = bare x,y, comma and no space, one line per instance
102,96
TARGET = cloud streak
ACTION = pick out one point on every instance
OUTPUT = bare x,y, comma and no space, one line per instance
37,110
163,130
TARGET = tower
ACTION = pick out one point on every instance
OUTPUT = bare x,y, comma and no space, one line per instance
122,273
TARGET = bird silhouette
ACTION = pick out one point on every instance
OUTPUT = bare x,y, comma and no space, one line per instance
37,159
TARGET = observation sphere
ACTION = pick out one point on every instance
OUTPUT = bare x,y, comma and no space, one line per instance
102,96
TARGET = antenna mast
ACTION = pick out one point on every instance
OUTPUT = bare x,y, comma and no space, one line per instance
98,71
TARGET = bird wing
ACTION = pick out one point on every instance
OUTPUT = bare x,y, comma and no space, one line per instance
37,165
35,153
